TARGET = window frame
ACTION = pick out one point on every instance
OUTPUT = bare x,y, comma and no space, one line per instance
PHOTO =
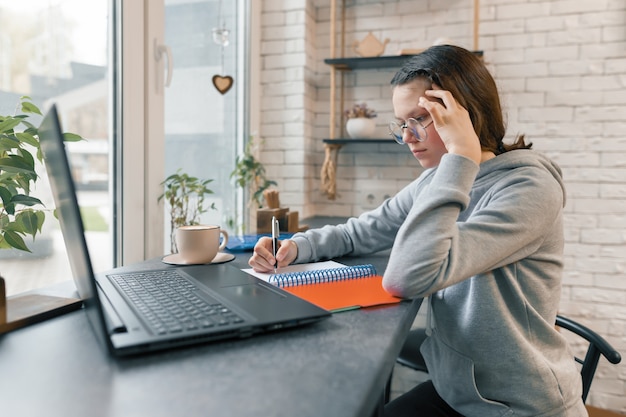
137,100
138,97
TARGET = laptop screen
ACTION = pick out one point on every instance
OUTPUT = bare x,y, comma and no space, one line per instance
68,213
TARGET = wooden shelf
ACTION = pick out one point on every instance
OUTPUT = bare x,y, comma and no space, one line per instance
347,141
392,61
389,61
342,65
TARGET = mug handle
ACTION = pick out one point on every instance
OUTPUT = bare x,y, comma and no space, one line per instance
224,233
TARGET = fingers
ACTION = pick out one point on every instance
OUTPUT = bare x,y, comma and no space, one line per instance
444,101
452,122
287,252
262,259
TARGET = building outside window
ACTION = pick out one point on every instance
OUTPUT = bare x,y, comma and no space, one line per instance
56,52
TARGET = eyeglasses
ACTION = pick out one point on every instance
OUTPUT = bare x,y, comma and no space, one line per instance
417,129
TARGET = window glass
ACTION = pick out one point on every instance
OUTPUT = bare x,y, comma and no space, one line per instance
55,51
200,122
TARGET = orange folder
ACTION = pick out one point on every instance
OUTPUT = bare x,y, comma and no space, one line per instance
345,295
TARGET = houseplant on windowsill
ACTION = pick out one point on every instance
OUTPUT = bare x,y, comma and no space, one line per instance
185,196
21,214
360,123
249,174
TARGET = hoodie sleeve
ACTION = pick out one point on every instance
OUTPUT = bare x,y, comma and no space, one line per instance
433,250
371,232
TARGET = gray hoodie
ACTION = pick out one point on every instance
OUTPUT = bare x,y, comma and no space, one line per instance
485,244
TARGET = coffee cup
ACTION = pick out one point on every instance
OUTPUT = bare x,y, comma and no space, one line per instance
199,244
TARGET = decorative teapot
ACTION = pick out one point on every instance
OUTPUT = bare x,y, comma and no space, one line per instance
369,46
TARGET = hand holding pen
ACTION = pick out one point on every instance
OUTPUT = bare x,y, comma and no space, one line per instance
269,254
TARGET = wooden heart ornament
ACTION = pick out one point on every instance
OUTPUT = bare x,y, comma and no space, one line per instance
223,84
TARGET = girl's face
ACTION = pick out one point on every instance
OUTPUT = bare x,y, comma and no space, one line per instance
405,100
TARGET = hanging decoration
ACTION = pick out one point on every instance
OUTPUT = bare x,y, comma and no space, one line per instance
221,34
222,83
329,169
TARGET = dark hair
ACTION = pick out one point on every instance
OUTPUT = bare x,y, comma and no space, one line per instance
464,74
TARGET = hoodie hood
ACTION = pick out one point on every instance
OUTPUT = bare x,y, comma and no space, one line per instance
519,159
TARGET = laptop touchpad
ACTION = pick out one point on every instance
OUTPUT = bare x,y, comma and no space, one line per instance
250,290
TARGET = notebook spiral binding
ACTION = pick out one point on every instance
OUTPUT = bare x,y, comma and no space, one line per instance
322,275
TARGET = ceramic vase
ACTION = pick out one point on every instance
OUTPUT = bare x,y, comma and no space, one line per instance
361,128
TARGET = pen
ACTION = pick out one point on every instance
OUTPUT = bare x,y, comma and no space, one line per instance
275,233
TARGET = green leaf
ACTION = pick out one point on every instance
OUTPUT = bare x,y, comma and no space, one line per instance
9,123
25,200
28,138
9,208
8,142
23,182
5,196
3,243
28,222
15,240
17,164
28,107
41,217
30,128
4,221
28,157
71,137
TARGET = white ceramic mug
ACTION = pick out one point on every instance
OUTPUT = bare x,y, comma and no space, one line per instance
199,244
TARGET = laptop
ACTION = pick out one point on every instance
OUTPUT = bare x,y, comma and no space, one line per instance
202,303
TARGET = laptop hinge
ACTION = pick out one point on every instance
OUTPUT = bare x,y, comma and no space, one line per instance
113,321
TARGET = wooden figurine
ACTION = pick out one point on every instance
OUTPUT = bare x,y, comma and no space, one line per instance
370,46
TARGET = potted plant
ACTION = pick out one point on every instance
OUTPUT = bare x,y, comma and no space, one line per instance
360,123
249,174
21,214
186,197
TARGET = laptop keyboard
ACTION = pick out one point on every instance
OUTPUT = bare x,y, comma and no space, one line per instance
168,303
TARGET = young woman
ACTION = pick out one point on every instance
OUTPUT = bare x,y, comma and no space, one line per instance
480,233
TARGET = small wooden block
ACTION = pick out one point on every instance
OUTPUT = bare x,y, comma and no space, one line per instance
272,198
282,223
264,218
292,221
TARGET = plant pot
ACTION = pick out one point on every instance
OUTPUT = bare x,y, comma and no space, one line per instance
3,302
361,128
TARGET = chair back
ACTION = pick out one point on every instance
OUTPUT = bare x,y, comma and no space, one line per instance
597,346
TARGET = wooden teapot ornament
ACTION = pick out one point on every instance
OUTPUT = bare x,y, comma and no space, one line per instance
370,46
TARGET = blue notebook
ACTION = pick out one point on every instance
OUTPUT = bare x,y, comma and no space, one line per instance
245,243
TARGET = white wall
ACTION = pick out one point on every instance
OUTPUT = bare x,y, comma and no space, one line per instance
561,69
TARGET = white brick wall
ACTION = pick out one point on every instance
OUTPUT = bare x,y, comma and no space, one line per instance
561,69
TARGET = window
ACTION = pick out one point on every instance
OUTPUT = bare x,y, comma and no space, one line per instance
100,70
202,128
56,51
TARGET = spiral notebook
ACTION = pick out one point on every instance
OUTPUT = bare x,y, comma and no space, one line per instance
331,285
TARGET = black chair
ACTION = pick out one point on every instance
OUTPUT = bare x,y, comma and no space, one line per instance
411,357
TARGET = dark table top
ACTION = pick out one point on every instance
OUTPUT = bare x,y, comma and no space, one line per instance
337,367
